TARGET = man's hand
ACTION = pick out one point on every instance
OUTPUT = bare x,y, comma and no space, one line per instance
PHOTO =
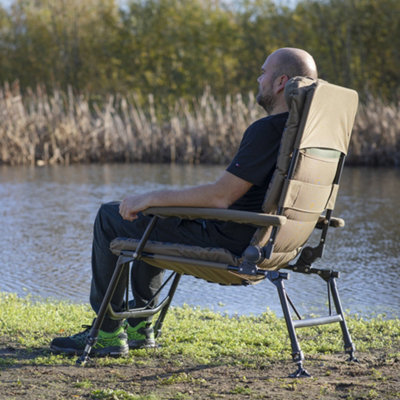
132,205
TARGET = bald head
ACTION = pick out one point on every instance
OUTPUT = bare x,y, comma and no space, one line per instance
292,62
278,68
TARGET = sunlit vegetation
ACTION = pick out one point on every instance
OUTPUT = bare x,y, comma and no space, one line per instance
61,128
174,48
169,80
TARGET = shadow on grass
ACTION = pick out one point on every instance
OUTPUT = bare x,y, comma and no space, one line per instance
14,357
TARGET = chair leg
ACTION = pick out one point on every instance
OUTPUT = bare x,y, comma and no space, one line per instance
122,263
91,340
160,320
348,343
297,355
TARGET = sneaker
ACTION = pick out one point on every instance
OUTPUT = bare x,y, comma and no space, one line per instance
140,336
108,343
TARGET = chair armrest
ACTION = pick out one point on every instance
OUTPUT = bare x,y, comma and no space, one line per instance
221,214
334,222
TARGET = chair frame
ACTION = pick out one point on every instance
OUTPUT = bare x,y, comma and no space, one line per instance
252,255
277,278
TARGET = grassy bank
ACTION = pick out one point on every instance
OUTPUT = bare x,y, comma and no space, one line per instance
39,129
32,324
196,345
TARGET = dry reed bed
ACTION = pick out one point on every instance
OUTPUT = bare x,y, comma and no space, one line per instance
41,129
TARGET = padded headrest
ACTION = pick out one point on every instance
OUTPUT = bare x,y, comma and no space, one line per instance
328,113
298,86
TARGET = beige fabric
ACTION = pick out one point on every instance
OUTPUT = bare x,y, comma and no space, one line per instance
332,197
327,114
190,260
330,118
307,197
298,94
193,268
311,170
218,255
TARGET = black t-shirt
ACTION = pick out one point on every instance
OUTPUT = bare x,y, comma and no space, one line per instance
256,158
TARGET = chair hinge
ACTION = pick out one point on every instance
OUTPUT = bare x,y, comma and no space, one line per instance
248,268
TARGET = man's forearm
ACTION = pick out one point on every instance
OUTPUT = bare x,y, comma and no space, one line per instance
198,196
220,194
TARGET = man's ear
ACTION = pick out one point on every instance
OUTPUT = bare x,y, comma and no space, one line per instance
280,83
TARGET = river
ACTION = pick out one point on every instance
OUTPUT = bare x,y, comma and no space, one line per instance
46,216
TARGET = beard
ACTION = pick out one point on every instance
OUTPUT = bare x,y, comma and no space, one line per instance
267,101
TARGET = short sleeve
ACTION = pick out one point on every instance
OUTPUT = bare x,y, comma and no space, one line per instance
257,153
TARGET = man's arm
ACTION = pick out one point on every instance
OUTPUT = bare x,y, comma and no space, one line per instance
220,194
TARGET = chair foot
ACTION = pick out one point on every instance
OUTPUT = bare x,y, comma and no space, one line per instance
84,358
352,358
300,373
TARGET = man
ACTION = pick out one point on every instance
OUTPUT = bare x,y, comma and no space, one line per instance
241,186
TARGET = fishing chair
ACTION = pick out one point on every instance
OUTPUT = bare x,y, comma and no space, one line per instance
300,199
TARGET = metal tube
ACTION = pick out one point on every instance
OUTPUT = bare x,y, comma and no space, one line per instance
135,312
348,344
297,354
121,262
94,331
161,317
317,321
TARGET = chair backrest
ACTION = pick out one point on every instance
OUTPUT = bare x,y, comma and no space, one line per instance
306,180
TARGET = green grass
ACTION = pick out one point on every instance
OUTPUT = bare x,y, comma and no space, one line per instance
109,394
28,325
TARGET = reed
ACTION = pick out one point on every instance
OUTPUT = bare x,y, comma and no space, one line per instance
376,134
40,128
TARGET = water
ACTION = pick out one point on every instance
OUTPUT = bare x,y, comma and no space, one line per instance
46,217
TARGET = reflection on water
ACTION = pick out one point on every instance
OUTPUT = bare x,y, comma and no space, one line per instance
47,215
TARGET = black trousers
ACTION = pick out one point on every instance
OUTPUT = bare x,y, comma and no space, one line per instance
146,279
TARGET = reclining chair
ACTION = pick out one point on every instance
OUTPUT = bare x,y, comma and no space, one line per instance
299,200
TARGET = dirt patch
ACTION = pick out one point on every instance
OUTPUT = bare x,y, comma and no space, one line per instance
376,376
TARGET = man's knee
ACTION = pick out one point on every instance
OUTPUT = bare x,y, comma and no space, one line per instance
108,209
107,215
